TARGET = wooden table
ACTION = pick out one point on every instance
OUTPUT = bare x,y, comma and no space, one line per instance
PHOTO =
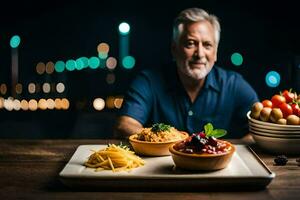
29,170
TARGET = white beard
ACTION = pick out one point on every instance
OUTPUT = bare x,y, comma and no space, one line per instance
196,73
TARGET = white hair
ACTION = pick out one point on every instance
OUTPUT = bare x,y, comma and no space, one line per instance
192,15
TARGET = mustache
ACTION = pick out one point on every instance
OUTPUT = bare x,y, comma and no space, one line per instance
197,62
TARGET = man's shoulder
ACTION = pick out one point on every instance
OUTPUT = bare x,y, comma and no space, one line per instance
149,72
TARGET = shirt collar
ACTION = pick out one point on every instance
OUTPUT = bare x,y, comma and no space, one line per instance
211,80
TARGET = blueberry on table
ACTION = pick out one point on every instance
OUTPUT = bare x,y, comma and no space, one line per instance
281,160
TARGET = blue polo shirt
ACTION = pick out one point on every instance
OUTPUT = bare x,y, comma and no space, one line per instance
157,96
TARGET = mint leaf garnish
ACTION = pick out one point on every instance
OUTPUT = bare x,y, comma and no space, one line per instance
219,133
160,127
208,129
211,132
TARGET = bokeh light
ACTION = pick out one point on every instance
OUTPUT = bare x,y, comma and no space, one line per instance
17,104
111,63
118,102
31,88
272,79
1,102
50,104
94,62
237,59
71,65
128,62
33,105
60,87
59,66
8,104
24,105
110,78
15,41
65,104
102,55
49,67
58,104
46,87
79,64
98,104
3,89
19,88
103,48
124,28
40,68
42,104
110,102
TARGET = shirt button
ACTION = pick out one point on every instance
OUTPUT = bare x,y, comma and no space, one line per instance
190,113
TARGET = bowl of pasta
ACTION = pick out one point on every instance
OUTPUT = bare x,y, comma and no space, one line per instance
156,140
203,151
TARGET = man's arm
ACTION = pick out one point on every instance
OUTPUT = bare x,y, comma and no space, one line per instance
126,126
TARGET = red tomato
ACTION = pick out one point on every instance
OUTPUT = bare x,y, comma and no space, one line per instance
267,103
286,109
289,96
295,108
277,100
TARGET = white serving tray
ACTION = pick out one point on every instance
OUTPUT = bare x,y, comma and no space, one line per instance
245,170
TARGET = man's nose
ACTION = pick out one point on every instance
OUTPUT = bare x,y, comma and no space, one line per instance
199,51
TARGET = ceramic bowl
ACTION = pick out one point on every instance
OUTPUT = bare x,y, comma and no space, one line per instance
279,131
278,145
269,125
271,134
205,161
274,133
153,148
275,138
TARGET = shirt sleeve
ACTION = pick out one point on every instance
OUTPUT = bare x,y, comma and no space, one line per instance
138,100
245,97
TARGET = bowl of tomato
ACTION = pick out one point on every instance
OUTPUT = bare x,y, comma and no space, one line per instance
275,123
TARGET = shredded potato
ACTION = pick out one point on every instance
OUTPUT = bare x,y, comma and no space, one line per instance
115,158
160,136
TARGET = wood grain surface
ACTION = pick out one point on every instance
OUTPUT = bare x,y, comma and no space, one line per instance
29,170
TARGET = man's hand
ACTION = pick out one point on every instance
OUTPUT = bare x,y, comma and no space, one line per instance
126,126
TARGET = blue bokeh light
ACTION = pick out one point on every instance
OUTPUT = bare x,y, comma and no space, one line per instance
273,79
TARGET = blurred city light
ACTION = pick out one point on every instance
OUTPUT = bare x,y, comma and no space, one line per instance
272,79
15,41
124,28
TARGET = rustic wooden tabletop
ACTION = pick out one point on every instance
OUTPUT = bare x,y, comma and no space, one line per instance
29,169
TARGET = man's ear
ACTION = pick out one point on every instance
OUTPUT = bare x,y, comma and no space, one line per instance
216,56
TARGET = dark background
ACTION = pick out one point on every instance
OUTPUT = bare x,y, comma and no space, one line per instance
266,33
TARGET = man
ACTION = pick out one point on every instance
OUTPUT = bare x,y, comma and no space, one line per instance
193,91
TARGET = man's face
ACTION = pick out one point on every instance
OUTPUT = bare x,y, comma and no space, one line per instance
196,51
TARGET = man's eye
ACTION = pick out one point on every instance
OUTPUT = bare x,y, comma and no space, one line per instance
190,43
207,45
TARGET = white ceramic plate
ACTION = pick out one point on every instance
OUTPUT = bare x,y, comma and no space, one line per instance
245,170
